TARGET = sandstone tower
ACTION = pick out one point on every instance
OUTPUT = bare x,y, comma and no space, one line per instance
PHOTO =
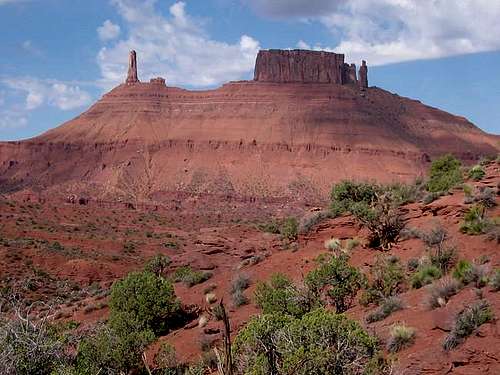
132,68
363,75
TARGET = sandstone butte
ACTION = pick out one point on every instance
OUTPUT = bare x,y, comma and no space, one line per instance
305,121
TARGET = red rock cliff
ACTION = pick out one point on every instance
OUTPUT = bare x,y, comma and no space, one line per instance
282,66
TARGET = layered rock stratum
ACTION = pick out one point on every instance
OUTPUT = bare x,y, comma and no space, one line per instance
304,122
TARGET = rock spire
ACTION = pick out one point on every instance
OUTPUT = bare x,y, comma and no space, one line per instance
363,75
132,68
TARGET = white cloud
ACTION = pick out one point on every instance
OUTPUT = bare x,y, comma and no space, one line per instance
387,31
57,94
175,46
11,119
3,2
108,31
29,47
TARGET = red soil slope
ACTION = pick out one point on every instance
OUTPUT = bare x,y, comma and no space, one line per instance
246,139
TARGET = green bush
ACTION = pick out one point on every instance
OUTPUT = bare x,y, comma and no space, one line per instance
425,275
337,280
29,345
109,352
346,193
387,276
142,301
279,344
401,337
475,221
387,307
281,296
441,254
158,264
495,280
289,229
190,277
468,321
467,272
476,173
445,173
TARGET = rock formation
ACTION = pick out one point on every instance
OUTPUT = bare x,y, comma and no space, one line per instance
300,66
283,66
363,75
132,68
253,138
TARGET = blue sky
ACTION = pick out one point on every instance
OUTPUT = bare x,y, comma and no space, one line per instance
59,56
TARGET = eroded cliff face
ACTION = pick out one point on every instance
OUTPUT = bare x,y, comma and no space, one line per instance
247,139
300,66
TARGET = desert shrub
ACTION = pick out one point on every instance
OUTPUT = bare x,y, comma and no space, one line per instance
239,299
238,285
467,272
346,193
431,197
382,218
467,190
108,352
165,358
386,279
401,337
217,312
333,244
386,307
408,233
190,277
337,281
29,345
495,280
142,301
441,254
412,264
289,229
476,173
441,291
485,197
158,264
445,173
467,322
475,221
272,226
425,275
278,344
352,243
281,296
308,222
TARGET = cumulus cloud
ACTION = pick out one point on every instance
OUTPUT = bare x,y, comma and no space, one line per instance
12,119
108,31
387,31
57,94
175,46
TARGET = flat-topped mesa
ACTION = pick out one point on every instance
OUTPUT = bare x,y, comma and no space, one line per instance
132,68
303,66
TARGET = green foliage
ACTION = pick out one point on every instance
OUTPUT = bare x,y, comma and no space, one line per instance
279,344
142,301
158,264
238,285
425,275
29,345
108,352
346,193
476,173
468,321
495,280
445,173
475,221
337,280
289,229
382,218
401,337
191,277
467,272
281,296
387,307
441,254
387,276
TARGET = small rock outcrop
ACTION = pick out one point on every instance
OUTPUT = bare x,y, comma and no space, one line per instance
363,75
132,68
158,81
